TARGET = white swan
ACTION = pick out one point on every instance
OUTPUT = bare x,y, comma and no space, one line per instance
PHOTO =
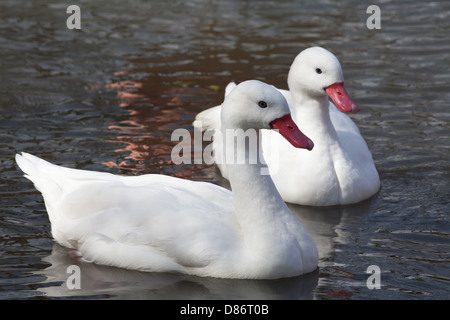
340,170
160,223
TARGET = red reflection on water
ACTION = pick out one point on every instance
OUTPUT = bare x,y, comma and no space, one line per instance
339,294
156,108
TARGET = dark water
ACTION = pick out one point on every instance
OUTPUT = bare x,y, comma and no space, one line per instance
107,97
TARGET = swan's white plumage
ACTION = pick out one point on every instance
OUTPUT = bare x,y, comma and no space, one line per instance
166,224
117,207
340,170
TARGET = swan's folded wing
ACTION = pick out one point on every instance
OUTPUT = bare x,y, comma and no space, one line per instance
138,221
208,119
171,228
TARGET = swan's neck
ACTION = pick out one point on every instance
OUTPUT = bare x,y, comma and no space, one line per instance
267,226
257,201
312,115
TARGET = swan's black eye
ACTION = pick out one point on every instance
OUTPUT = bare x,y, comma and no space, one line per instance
262,104
318,71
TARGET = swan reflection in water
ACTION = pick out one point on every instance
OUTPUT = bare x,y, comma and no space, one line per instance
103,282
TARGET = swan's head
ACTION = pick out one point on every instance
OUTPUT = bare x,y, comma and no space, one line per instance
317,72
256,105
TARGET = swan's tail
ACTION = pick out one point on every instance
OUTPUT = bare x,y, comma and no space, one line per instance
34,168
52,180
43,174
